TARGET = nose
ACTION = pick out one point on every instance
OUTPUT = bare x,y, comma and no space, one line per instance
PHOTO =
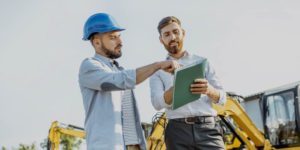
120,41
173,36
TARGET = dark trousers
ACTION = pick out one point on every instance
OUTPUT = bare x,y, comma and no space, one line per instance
198,136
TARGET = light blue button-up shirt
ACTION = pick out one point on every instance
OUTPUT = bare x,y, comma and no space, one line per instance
102,85
162,81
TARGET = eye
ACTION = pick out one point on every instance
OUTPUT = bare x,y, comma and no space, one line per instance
176,31
166,34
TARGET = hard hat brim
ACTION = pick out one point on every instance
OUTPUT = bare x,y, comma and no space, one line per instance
87,37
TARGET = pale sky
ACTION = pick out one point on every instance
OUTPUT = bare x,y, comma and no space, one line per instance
252,44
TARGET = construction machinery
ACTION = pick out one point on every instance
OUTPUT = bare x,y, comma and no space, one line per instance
58,129
276,112
264,121
239,131
267,120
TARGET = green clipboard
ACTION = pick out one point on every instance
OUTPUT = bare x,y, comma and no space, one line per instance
183,78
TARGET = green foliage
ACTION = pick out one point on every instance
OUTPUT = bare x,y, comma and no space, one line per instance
22,147
70,142
66,143
27,147
43,144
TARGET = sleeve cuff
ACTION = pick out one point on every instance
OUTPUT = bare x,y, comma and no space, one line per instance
222,99
163,103
131,78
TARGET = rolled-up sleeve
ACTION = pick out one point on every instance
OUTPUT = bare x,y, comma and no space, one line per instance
157,92
214,80
93,75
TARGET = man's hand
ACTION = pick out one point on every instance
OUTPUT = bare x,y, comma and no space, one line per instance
169,65
201,86
144,72
168,96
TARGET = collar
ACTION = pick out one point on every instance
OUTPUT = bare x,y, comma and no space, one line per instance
185,55
104,59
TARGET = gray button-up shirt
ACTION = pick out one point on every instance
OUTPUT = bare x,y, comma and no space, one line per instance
102,85
162,81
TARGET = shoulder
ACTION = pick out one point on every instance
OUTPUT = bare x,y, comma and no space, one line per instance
90,63
198,58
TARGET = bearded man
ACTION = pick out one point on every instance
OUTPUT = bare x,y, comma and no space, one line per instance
193,126
112,119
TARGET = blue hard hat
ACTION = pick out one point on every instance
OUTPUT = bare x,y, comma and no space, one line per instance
100,23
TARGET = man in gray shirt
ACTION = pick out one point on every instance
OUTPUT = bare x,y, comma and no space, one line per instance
192,126
112,120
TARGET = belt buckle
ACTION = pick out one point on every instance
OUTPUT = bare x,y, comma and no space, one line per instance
188,122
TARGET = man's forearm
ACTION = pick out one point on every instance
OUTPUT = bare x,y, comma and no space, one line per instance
214,95
144,72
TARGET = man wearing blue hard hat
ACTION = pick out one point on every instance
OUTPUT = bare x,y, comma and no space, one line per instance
112,120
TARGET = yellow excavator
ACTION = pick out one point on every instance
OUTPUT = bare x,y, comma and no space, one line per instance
275,113
57,129
239,131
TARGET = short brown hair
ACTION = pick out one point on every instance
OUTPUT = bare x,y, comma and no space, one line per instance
166,21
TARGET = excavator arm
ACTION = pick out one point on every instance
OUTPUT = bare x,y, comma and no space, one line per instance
57,129
235,117
156,140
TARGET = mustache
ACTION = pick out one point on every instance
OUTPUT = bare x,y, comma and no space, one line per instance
173,41
119,46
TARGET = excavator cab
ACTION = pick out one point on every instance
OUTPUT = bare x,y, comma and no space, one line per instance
276,113
280,117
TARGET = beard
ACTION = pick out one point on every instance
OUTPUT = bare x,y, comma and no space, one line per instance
112,54
174,49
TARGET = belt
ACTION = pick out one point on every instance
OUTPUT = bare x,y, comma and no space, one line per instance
133,147
196,120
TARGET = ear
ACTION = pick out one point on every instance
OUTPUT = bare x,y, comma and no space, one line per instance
183,32
160,39
96,42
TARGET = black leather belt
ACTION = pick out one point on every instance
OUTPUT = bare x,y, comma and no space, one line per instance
196,120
